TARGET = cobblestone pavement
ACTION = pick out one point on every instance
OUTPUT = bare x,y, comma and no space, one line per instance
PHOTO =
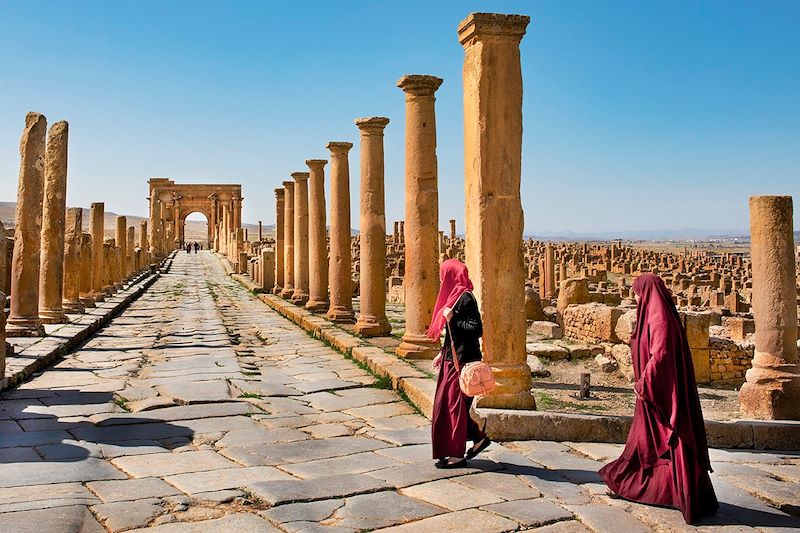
201,410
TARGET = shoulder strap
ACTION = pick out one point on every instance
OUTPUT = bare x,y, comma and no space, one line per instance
452,347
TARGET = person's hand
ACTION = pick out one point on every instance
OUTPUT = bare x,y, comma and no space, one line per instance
636,393
447,312
437,361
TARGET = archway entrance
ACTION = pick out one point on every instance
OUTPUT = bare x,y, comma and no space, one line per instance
196,229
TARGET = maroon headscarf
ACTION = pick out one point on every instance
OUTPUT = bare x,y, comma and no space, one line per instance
662,364
455,282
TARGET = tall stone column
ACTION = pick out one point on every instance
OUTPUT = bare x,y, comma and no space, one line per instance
96,216
72,261
452,228
51,274
87,266
279,251
130,264
772,389
143,244
23,318
288,239
494,219
260,232
317,237
421,280
155,213
121,238
300,294
372,320
2,337
340,282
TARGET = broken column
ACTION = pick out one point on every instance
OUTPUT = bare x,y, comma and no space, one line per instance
494,218
372,320
317,237
96,221
51,273
121,239
72,261
87,265
23,318
339,265
549,272
421,280
279,240
452,228
772,389
130,259
300,294
143,244
288,240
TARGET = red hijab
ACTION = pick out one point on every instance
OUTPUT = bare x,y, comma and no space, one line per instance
455,282
662,364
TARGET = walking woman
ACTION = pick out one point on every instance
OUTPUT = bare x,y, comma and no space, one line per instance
457,312
665,460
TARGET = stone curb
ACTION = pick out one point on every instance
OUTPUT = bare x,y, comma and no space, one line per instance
509,424
64,340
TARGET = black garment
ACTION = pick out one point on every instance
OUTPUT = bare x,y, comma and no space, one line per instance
467,329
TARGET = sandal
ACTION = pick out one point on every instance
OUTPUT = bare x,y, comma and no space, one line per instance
447,464
472,452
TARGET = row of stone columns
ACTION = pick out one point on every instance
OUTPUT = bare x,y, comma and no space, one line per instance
57,269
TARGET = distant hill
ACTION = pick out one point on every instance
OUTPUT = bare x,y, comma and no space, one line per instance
659,235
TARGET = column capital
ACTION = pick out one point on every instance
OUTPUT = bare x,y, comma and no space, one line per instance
280,192
372,125
339,147
419,84
288,185
98,205
299,176
316,163
492,26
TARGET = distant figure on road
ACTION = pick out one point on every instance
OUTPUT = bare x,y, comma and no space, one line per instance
451,425
197,246
665,461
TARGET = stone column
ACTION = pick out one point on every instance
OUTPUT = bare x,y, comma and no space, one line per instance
260,232
772,389
143,244
421,280
288,239
96,216
155,213
317,237
87,265
121,239
494,219
340,282
51,274
267,269
130,265
279,251
372,254
549,271
23,319
72,261
300,294
452,228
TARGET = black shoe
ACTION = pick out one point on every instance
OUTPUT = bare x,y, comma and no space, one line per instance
472,452
447,464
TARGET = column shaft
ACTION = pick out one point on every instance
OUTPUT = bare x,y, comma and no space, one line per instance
279,240
340,262
72,260
288,240
317,237
300,294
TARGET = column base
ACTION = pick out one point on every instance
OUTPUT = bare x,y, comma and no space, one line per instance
513,389
299,297
24,327
316,305
287,292
417,347
276,289
771,393
53,316
341,315
73,308
87,303
370,326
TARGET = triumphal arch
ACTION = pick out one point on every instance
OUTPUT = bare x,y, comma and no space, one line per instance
171,203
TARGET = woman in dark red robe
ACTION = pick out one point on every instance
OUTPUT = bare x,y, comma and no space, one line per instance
451,425
665,461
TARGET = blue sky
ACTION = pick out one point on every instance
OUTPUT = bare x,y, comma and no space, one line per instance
637,115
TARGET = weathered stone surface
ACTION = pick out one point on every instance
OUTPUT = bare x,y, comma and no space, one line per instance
300,490
123,516
303,512
545,329
530,513
25,498
72,518
165,464
131,489
232,522
382,509
22,474
227,478
468,521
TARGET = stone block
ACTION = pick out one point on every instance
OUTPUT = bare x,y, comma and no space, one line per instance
545,329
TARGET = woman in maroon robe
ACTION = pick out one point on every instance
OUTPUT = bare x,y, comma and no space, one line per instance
665,461
451,425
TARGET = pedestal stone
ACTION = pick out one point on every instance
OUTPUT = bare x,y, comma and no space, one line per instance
421,280
372,320
340,260
23,319
772,389
494,219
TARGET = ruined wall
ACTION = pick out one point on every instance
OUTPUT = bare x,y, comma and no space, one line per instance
729,359
593,322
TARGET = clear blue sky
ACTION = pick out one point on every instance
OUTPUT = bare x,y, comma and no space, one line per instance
637,115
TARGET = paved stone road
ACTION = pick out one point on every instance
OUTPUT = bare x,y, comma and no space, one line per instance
201,410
